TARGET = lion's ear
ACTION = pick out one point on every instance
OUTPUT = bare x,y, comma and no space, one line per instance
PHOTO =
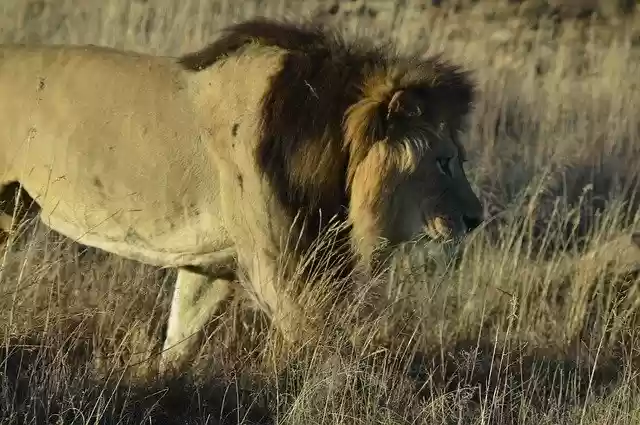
404,103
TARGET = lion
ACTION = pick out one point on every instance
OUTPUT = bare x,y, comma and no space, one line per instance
212,162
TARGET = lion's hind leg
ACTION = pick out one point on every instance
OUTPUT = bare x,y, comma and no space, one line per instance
15,206
6,222
196,298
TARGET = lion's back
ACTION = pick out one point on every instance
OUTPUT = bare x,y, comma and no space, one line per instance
64,97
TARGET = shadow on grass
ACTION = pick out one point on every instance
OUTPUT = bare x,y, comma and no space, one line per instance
44,384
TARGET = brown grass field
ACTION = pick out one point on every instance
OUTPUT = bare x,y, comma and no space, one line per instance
538,325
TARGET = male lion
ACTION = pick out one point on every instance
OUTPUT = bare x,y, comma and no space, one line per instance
208,162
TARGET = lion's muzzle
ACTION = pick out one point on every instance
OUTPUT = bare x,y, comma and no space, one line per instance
440,228
445,229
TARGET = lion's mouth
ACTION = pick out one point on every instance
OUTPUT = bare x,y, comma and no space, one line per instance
440,229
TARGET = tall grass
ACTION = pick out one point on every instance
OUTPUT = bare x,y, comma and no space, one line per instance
536,325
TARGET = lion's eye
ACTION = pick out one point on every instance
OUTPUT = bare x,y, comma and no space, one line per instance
444,166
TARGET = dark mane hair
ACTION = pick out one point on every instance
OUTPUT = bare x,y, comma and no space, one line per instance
328,104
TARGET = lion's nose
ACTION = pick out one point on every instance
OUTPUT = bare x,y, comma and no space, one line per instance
471,222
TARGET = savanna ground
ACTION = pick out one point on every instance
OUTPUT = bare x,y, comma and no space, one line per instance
538,325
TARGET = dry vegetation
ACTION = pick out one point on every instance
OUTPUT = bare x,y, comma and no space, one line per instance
537,325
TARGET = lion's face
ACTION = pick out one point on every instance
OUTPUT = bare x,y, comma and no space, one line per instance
410,185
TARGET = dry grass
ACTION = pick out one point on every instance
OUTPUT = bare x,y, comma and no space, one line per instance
537,325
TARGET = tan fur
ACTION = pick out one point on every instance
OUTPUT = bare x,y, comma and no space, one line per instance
206,162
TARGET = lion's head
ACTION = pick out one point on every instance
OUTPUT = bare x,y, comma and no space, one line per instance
406,174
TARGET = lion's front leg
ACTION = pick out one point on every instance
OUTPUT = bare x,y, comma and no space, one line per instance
272,291
196,298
